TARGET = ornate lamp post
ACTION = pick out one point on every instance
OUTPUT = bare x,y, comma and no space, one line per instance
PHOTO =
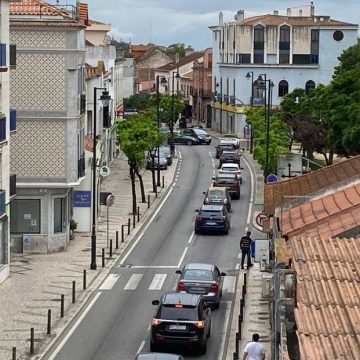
177,76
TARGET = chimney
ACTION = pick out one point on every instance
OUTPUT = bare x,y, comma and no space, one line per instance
288,12
276,12
239,16
221,19
312,9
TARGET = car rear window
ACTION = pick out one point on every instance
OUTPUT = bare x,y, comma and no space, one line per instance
170,312
198,274
210,213
215,193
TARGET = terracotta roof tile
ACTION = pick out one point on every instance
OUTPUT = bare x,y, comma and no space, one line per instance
36,7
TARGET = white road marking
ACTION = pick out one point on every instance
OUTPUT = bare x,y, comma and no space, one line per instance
239,255
72,330
133,282
180,155
248,220
154,267
224,330
229,284
191,237
157,282
109,282
141,346
237,267
182,257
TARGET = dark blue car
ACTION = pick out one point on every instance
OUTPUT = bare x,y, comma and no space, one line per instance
212,219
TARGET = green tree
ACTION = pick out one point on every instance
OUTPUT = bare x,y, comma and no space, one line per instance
138,102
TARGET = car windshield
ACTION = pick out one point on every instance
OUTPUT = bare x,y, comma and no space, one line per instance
198,274
200,132
208,213
230,168
169,312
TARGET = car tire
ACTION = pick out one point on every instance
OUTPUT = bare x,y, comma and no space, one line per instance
203,348
209,332
237,197
153,347
226,231
197,231
189,142
217,305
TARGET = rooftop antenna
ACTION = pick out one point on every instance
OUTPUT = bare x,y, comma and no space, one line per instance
150,34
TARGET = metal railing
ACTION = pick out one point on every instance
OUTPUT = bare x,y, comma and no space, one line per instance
46,10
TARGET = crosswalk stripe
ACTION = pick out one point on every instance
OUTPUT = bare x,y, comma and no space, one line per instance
229,284
109,282
157,282
133,282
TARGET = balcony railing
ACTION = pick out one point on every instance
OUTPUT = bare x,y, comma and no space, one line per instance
12,119
12,184
2,203
81,166
2,128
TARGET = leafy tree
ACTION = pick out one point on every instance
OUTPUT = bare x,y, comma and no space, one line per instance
138,102
179,49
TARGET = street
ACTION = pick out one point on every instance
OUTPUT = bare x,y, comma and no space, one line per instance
115,324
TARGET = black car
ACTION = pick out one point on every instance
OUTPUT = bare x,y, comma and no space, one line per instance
181,319
165,152
181,138
198,133
222,147
229,181
229,157
212,219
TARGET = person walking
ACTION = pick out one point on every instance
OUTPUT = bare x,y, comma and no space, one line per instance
254,350
245,246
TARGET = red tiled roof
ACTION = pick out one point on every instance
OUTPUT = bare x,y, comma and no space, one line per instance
36,7
275,193
327,312
328,216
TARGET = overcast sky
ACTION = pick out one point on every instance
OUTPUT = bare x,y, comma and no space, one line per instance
187,21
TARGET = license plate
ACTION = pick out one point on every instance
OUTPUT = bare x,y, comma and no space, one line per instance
177,327
211,223
197,290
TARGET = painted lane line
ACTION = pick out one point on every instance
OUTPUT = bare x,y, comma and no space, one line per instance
229,284
109,282
239,255
154,267
237,267
122,261
182,257
248,220
72,330
224,330
133,282
157,282
191,237
141,346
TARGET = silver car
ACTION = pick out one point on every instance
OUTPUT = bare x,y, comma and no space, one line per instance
204,279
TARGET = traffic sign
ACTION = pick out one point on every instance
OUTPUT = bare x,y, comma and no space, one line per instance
271,178
104,171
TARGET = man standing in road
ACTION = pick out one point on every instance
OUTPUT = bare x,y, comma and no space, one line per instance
254,350
245,245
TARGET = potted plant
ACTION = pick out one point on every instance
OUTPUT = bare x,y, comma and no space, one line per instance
73,226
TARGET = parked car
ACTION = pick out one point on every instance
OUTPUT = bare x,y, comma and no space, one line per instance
229,181
181,138
231,168
216,196
222,147
204,279
166,152
181,319
233,139
229,157
198,133
163,162
212,219
158,356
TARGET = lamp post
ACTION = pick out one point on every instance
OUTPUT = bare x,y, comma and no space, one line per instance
267,85
105,99
163,81
250,75
177,76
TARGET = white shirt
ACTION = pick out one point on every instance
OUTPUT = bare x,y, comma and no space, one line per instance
254,350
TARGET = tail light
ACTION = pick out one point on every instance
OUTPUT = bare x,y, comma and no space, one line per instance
214,288
200,324
222,218
198,218
155,322
181,286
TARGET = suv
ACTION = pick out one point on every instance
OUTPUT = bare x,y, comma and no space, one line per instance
217,196
233,139
212,218
229,157
230,181
222,147
198,133
181,318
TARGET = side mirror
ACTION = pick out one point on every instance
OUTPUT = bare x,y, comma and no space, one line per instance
213,178
241,168
178,272
197,210
155,302
222,274
204,192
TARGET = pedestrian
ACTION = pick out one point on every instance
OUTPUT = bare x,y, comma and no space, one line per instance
254,350
245,246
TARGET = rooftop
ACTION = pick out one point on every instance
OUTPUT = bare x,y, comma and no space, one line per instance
183,61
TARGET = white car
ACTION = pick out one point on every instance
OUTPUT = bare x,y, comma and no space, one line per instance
232,139
231,168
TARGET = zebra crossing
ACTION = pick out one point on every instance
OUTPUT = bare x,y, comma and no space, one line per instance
131,282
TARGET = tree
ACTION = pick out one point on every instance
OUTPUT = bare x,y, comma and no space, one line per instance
179,50
137,101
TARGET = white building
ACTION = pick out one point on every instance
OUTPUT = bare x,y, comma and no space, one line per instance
296,50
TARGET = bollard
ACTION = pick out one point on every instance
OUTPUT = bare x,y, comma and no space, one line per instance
129,224
84,280
242,308
245,280
14,353
134,218
156,193
103,257
148,201
49,322
73,291
239,325
62,301
122,233
243,291
117,240
32,338
235,356
110,248
138,214
237,343
163,181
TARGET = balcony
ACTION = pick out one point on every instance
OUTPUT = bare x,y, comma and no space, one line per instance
12,185
12,119
81,166
3,65
2,203
2,128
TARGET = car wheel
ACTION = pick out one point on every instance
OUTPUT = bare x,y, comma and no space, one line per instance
153,347
203,348
217,305
226,231
237,196
209,332
197,231
240,180
189,142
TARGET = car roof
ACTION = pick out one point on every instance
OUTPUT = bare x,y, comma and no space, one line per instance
216,188
212,207
157,356
199,266
180,298
230,165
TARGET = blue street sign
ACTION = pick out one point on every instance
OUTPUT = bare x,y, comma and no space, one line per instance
271,178
82,198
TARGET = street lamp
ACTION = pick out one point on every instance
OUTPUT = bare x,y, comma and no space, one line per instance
105,99
250,75
177,76
266,84
163,81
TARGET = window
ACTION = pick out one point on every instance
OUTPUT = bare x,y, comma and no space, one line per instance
59,215
284,45
243,58
309,86
283,88
314,55
259,44
338,35
25,216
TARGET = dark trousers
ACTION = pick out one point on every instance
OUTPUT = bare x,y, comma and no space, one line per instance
245,252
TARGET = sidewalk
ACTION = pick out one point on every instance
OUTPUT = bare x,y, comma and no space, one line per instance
37,282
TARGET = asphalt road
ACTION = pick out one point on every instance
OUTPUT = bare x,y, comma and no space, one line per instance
115,325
